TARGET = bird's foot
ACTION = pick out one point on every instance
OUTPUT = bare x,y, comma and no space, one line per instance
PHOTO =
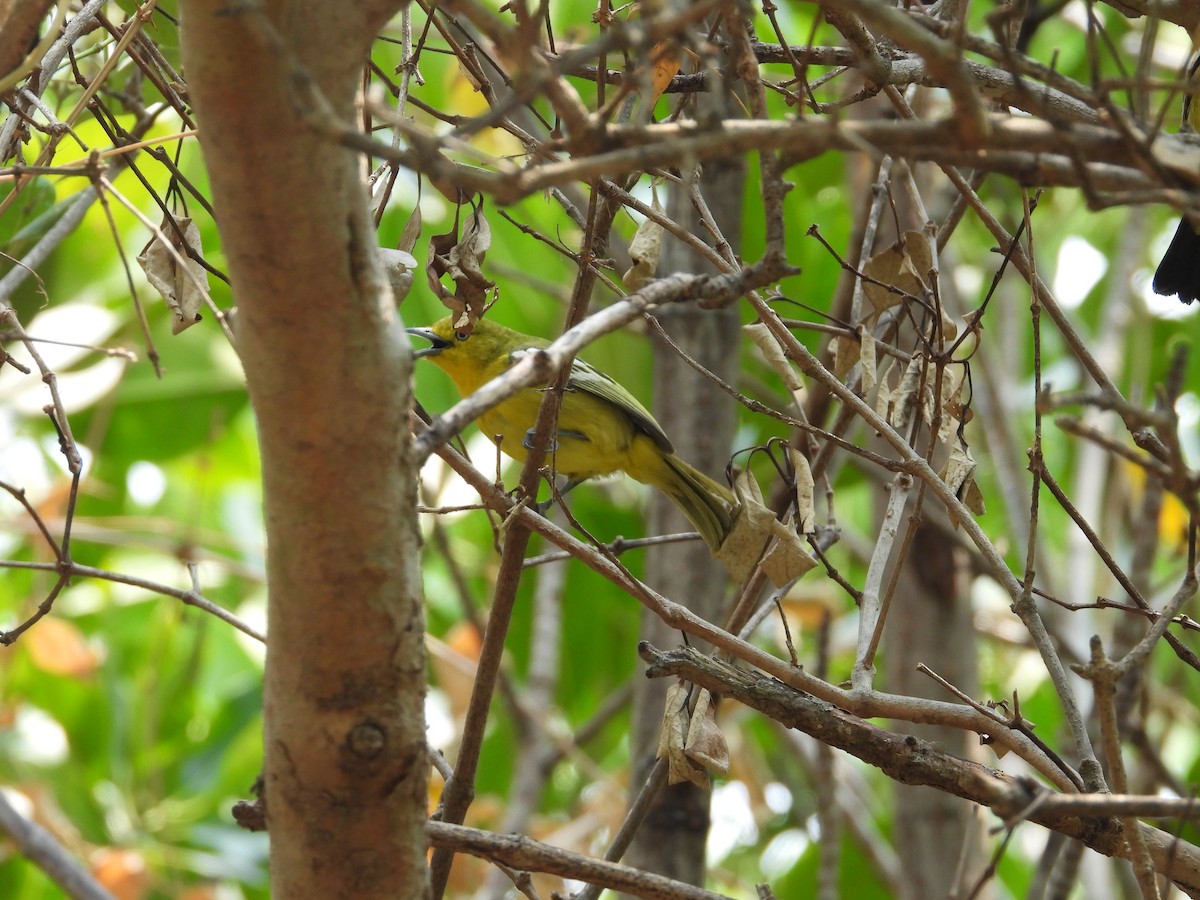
528,441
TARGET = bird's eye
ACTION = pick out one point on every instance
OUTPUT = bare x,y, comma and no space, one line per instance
462,335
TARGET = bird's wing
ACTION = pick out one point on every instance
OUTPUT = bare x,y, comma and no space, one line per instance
591,380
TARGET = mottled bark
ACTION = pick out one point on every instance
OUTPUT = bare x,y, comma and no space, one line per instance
345,768
930,622
700,421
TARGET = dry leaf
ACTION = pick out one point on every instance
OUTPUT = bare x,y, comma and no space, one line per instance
750,531
773,354
468,76
672,731
949,327
884,270
846,352
959,467
953,381
665,67
904,397
706,745
179,280
461,259
645,250
959,475
806,507
972,497
412,230
787,558
672,740
905,265
754,525
884,395
916,392
866,358
58,647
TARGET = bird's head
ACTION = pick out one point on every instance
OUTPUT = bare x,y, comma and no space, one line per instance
469,355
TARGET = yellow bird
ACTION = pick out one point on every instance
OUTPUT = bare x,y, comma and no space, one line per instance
1179,271
602,428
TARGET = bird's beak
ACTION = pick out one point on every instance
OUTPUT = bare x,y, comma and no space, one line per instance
438,343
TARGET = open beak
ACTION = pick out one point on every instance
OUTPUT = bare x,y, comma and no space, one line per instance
438,344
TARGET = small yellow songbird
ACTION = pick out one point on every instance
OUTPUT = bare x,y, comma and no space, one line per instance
602,428
1179,271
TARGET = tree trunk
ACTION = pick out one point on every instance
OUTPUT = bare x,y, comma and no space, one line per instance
345,767
700,422
930,622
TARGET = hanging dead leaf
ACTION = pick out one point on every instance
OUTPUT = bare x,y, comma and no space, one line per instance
468,77
787,558
904,397
884,269
173,273
706,745
959,475
672,731
461,259
953,382
949,327
754,525
665,66
972,497
883,394
959,467
915,393
846,353
900,269
806,507
883,401
773,354
645,250
412,230
866,359
750,531
672,740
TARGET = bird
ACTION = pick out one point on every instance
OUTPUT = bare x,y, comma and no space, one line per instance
1179,271
602,428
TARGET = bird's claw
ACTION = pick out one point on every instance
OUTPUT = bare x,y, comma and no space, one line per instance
527,442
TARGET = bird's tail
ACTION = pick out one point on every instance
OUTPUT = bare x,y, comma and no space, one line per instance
1179,271
707,504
